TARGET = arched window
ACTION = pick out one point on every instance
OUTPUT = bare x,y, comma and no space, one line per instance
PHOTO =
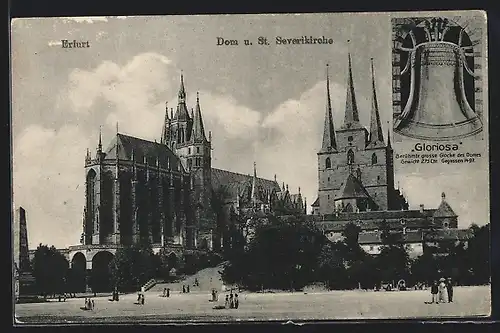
374,158
350,157
182,134
328,163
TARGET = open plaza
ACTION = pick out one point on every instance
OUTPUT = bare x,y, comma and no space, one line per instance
331,305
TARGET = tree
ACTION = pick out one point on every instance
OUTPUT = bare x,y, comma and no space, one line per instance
280,255
478,254
332,269
393,262
132,267
50,269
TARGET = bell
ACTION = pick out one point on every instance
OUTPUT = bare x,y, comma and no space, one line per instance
437,107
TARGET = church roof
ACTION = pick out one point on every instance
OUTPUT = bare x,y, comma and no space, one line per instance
367,238
295,197
352,188
315,203
237,183
131,147
444,210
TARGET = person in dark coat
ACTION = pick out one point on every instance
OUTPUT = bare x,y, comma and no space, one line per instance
231,301
183,289
434,292
187,288
449,290
168,292
236,301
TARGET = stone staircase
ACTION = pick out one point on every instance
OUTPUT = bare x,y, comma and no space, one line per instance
208,279
148,285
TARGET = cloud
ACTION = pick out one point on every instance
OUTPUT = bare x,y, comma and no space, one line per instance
48,181
298,127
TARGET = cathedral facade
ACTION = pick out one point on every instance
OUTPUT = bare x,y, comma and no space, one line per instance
166,194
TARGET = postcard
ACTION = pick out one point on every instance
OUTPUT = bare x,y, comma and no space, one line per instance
270,167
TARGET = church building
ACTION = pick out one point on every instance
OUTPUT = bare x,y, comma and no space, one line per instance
356,181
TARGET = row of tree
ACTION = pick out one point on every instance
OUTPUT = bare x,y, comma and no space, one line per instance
294,254
129,269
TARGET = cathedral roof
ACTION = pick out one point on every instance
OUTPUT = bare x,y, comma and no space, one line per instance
237,183
315,203
131,147
352,188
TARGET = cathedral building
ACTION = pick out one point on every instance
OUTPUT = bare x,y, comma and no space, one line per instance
356,182
166,194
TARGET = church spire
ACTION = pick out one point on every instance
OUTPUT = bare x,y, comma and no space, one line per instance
99,145
166,127
388,136
182,111
376,134
351,118
198,134
182,91
329,141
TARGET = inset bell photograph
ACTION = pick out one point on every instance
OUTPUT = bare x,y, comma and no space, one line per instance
437,78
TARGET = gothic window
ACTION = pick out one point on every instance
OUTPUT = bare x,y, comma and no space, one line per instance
374,158
350,157
190,164
446,224
328,179
328,163
182,134
197,150
189,151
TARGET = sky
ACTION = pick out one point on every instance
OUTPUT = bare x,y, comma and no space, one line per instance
261,103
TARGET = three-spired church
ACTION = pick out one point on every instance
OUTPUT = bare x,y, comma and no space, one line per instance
356,184
163,193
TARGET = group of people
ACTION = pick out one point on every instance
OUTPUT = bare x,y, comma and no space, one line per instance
89,303
140,298
185,289
166,292
232,301
442,291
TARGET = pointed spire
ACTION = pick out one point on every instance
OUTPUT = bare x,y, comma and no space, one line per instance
305,205
388,136
117,160
182,91
166,126
376,133
198,134
329,141
99,145
254,183
171,113
351,118
182,111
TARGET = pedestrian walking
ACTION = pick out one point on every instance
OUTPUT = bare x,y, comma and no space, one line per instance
183,289
226,304
168,292
142,299
449,289
164,292
187,288
442,290
93,304
231,301
434,292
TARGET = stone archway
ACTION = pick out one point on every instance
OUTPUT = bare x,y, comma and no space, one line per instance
78,273
100,279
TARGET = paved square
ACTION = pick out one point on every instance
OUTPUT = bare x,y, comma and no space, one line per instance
469,301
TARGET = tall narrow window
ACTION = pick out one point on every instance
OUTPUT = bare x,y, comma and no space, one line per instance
374,158
350,157
182,134
328,163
